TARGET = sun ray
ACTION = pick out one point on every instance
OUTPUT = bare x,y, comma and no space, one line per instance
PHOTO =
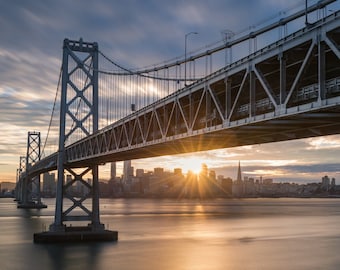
191,163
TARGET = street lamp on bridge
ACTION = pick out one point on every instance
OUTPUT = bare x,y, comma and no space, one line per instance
185,55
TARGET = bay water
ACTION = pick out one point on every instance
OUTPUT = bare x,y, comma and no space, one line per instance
258,233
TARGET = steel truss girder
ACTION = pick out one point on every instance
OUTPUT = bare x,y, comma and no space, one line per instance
201,108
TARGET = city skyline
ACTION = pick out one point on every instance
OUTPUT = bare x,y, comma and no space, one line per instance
232,172
203,183
30,56
289,170
178,184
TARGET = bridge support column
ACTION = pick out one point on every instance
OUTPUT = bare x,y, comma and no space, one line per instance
78,58
321,69
227,82
283,83
252,97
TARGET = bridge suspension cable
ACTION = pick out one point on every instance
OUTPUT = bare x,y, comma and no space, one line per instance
52,113
141,73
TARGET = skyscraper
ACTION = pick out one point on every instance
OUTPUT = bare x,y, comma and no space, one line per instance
113,171
239,174
127,170
238,185
49,184
204,170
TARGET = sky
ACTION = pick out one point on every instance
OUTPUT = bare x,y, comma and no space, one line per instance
136,34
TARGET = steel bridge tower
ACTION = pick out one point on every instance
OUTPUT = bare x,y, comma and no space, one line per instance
79,90
30,196
19,186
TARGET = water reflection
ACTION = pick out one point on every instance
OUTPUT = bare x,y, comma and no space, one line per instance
164,234
73,256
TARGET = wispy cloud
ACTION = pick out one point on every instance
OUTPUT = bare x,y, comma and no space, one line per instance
327,142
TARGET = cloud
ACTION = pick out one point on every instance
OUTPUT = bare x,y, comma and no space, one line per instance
4,164
322,143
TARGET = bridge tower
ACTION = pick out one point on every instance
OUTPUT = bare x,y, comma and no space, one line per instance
30,186
19,186
78,118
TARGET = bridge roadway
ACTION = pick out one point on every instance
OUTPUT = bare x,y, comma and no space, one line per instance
287,90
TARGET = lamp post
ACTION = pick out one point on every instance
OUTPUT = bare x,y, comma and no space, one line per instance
306,14
185,56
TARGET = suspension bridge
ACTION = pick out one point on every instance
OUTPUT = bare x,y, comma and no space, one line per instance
276,83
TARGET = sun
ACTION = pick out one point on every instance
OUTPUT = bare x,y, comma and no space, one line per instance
190,163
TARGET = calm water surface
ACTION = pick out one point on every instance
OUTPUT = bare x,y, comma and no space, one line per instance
170,234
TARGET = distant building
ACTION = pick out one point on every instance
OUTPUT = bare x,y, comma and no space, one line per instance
116,187
177,183
267,181
127,171
333,183
139,173
49,184
239,174
204,171
7,186
207,185
191,185
158,172
238,185
212,175
127,176
249,186
226,186
158,181
178,171
325,183
113,171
